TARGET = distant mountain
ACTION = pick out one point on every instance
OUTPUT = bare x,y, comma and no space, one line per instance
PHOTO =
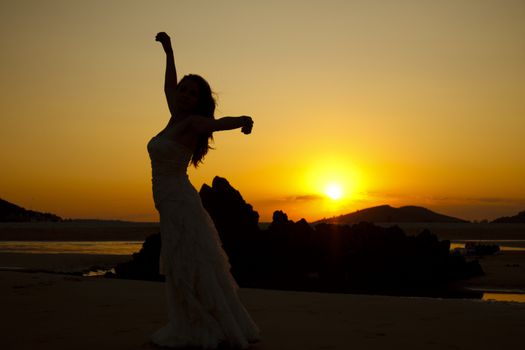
386,213
10,212
520,218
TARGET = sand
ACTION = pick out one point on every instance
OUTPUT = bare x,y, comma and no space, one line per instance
58,311
53,311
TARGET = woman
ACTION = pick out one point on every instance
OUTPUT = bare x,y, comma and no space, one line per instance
203,306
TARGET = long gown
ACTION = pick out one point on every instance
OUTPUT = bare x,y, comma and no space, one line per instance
203,304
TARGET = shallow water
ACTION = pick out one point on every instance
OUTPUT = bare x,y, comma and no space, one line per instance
508,297
71,247
508,246
130,247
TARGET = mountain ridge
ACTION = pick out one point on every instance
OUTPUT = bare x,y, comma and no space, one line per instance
386,213
10,212
518,218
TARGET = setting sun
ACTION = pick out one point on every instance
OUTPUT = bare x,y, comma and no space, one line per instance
334,191
336,180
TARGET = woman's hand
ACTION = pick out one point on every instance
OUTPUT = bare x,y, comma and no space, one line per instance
165,40
248,125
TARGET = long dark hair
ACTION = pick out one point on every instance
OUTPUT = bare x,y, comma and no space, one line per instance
205,108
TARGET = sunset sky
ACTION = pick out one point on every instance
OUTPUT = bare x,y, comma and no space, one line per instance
389,102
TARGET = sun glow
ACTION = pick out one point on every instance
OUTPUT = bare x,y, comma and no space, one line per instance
334,191
334,178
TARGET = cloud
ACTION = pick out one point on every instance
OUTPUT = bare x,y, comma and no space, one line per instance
292,199
307,197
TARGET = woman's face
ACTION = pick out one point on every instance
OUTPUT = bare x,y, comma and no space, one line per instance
187,96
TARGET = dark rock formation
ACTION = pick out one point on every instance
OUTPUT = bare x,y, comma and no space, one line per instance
477,249
335,258
144,264
516,219
236,222
228,209
10,212
359,258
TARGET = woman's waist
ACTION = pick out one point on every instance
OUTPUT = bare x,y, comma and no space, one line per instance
168,180
168,168
168,174
177,188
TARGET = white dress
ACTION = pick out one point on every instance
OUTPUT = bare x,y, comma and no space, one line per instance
203,305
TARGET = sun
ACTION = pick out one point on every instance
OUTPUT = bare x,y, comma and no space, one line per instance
334,191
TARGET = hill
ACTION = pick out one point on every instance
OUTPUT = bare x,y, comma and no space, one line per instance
10,212
386,213
519,218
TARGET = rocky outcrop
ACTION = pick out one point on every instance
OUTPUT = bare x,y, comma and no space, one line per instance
326,257
144,264
236,222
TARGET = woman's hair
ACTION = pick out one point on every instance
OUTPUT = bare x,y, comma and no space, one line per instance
205,108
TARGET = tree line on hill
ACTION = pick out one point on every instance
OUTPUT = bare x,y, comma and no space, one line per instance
516,219
10,212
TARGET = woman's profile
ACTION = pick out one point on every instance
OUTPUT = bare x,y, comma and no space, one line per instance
202,296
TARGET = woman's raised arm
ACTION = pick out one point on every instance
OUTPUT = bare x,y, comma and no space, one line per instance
170,79
203,125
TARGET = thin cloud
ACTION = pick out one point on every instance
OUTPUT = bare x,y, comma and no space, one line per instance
292,199
307,197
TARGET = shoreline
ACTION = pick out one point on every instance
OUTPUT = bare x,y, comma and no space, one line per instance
508,282
89,230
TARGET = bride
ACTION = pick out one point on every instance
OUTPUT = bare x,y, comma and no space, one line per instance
204,308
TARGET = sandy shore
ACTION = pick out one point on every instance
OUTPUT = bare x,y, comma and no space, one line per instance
51,311
56,311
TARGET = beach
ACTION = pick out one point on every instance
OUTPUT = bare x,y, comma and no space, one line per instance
53,311
48,304
61,311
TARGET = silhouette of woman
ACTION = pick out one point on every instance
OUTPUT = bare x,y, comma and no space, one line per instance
203,304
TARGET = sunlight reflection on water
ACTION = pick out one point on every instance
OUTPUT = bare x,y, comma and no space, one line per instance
73,247
502,247
509,297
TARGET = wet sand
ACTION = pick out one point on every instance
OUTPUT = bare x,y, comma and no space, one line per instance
52,311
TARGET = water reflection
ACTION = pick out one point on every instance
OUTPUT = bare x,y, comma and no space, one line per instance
509,297
75,247
508,246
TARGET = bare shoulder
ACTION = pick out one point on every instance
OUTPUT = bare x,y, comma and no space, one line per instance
195,118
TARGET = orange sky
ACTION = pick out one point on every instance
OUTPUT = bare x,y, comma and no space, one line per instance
398,102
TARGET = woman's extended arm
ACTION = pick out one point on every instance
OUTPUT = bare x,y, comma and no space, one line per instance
170,79
203,125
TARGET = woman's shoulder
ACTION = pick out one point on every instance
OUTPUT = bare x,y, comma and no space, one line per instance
197,118
201,124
